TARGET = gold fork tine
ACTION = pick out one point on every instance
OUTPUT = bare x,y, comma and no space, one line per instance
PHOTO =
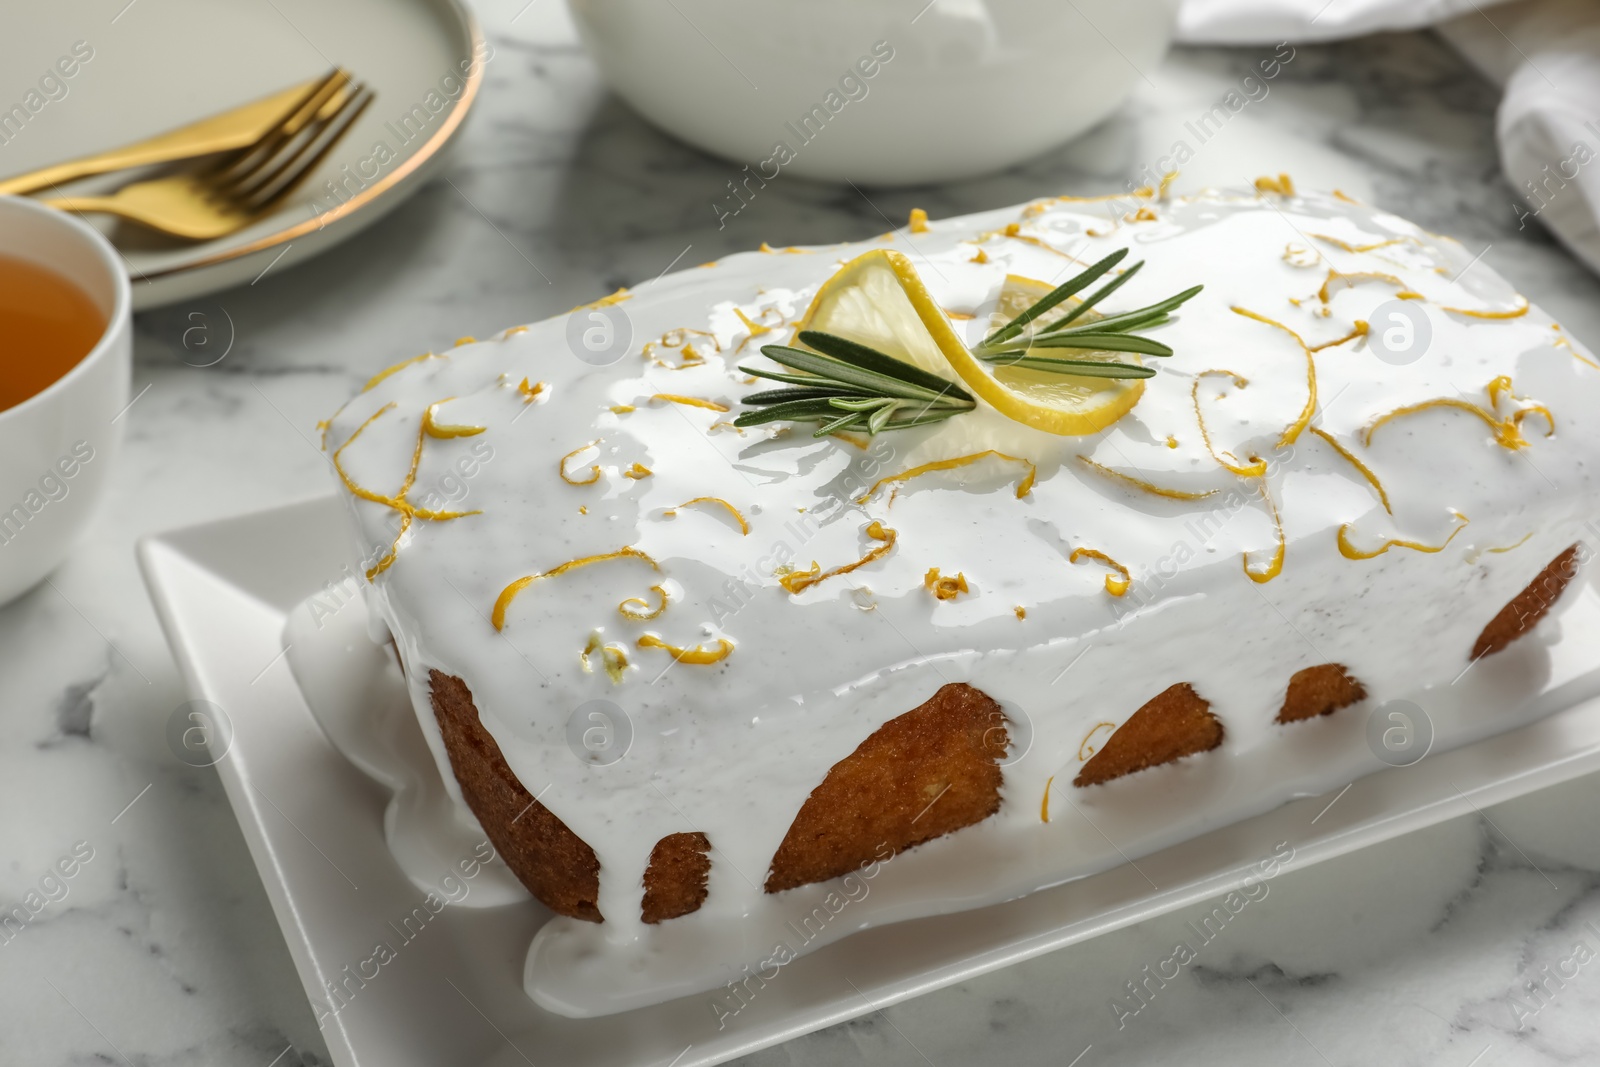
342,124
308,154
309,110
265,170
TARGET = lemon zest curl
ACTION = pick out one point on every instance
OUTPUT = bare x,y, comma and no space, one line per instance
690,401
944,587
509,593
594,476
1116,584
1148,487
643,612
796,581
699,654
951,464
445,430
1507,428
744,526
1349,551
1257,466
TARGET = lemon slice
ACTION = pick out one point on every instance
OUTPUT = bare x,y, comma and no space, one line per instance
877,299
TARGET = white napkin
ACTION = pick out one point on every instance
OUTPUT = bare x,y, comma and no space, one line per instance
1546,53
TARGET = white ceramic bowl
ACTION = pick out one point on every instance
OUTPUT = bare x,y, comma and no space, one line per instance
57,447
872,91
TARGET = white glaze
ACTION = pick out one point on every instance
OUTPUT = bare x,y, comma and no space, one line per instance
723,750
350,683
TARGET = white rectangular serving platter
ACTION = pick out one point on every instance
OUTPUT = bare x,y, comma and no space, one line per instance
452,994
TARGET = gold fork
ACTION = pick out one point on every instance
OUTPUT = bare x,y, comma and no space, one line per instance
228,131
243,187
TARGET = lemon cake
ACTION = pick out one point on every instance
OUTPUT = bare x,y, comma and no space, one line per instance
820,588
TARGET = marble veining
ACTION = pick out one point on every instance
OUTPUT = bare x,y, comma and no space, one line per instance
163,951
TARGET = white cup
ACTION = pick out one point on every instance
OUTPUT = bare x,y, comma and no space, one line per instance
57,447
872,91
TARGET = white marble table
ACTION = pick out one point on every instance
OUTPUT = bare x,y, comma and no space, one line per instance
164,952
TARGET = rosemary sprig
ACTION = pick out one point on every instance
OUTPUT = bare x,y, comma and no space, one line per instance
848,386
842,385
1014,343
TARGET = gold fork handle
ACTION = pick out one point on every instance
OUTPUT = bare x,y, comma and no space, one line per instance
220,133
84,205
191,226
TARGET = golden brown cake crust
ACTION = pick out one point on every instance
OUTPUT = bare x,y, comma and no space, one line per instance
1319,690
1529,606
553,863
1174,723
921,775
675,880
